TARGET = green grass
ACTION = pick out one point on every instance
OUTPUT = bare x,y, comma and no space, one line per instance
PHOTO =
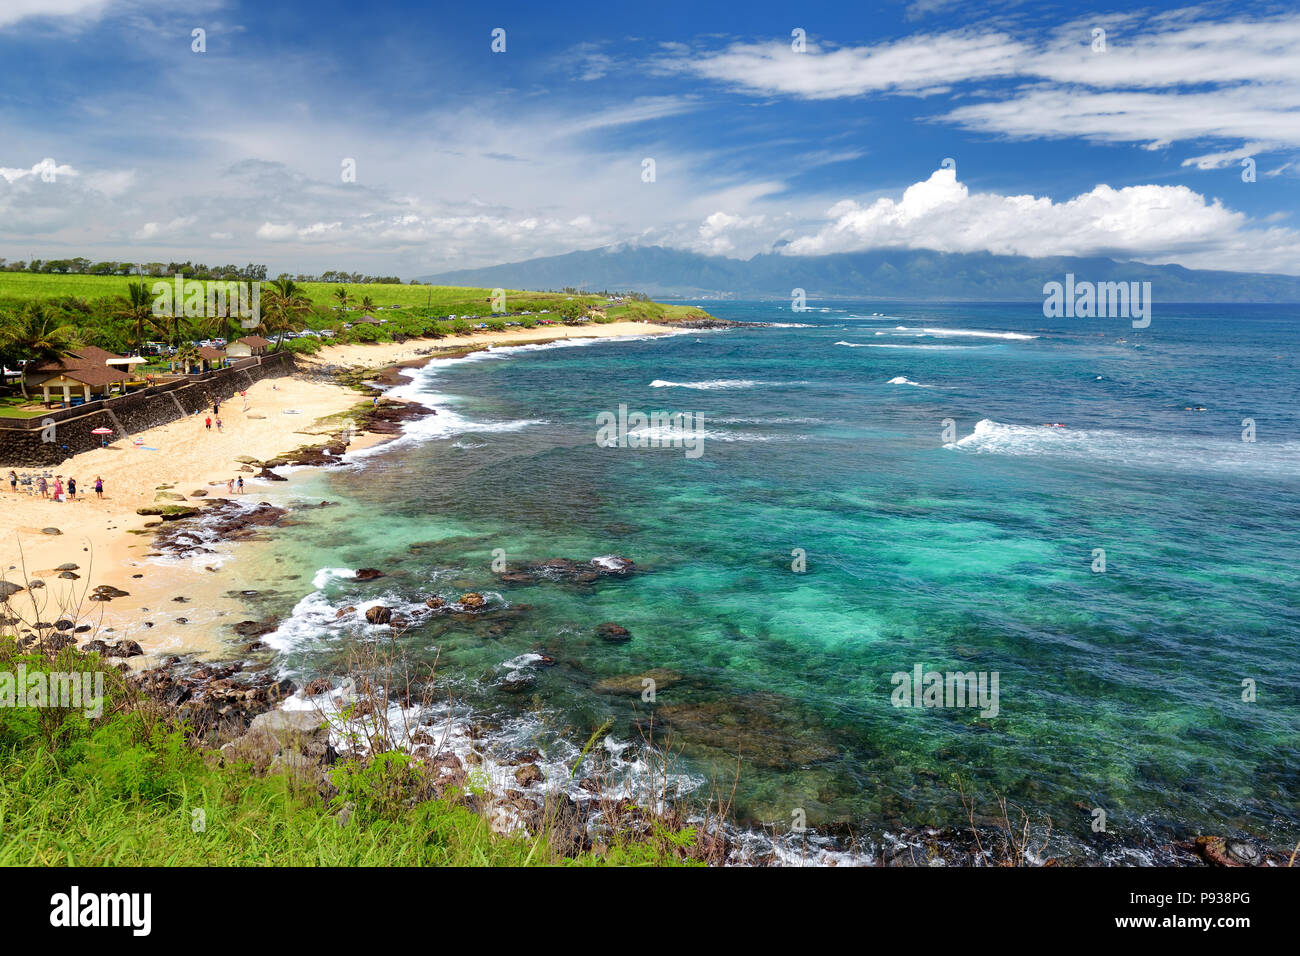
126,789
444,300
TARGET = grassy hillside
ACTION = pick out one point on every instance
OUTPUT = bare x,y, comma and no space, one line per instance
128,788
19,287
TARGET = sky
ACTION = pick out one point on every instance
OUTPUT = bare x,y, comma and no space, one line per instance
392,139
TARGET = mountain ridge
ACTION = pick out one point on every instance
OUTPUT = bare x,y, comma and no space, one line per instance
879,274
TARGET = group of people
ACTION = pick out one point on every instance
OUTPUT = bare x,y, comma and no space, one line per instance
57,490
234,483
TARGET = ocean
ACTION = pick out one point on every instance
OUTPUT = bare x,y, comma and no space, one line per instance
881,490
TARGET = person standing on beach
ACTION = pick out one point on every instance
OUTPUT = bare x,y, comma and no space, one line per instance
218,424
99,487
207,423
43,486
72,489
241,484
13,481
58,487
216,409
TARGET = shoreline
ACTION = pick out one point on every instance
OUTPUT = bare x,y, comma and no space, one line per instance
184,606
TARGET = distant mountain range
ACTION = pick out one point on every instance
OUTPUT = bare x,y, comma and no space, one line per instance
880,274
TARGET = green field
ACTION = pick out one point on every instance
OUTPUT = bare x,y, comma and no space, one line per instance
19,287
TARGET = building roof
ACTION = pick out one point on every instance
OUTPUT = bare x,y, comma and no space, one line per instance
210,353
98,356
254,341
87,356
94,375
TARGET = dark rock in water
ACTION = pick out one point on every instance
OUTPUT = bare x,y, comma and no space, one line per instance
81,629
379,614
566,569
35,584
632,685
516,682
92,647
124,648
350,609
8,588
527,775
63,624
767,728
51,531
269,475
68,567
182,620
254,647
255,628
613,633
201,493
472,600
434,602
369,574
69,576
106,592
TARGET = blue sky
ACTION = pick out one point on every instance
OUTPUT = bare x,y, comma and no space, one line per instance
121,142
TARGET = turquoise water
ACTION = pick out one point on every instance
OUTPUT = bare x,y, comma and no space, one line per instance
971,551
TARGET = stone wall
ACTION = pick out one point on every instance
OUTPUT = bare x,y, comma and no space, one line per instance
43,447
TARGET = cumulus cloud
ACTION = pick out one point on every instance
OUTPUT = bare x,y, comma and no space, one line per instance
1151,223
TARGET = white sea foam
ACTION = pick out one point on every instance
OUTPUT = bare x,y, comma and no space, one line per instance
1134,449
919,348
900,380
716,383
963,333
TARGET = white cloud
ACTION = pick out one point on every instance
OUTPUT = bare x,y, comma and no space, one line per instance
12,11
1159,224
1172,77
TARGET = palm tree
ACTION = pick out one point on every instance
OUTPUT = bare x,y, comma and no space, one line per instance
173,326
283,307
138,311
367,303
188,357
37,336
341,293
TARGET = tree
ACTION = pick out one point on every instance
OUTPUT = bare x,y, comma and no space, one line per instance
138,311
283,306
341,294
187,357
35,337
367,303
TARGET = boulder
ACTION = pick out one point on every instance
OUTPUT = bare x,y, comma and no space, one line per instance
528,774
379,614
472,600
369,574
298,738
613,633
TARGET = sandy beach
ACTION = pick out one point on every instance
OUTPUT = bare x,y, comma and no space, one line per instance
381,354
108,540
